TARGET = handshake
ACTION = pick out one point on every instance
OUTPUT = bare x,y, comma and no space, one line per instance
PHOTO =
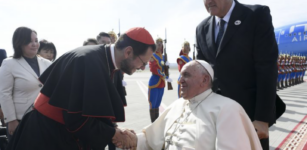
125,139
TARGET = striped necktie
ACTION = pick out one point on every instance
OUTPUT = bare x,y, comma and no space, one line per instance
220,34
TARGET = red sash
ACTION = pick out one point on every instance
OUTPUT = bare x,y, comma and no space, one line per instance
42,105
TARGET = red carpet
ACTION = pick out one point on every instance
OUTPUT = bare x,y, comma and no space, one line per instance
297,138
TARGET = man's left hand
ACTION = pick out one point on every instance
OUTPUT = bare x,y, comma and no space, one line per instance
169,80
262,129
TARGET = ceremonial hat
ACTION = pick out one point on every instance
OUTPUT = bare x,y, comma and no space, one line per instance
207,66
159,40
141,35
112,33
185,43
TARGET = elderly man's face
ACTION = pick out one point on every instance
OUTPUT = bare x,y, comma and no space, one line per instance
218,7
190,81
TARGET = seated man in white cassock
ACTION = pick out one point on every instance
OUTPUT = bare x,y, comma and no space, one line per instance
201,120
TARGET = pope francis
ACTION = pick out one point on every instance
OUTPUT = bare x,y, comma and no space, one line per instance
201,120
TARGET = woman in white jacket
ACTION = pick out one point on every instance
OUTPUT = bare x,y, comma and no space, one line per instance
19,77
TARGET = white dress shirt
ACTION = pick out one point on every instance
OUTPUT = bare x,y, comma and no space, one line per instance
113,55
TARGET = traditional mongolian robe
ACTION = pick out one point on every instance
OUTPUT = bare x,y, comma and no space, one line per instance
156,81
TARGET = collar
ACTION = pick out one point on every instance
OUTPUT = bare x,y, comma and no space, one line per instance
227,16
113,55
159,54
186,55
193,102
30,59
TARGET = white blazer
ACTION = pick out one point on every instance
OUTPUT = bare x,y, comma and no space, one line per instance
19,86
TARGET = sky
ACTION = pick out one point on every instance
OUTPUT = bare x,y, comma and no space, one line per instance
68,23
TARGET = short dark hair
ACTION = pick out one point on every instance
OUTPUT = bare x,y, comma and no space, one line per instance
101,34
2,55
44,44
138,47
21,37
90,40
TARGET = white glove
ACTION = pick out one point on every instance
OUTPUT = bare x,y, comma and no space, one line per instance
169,80
167,63
124,83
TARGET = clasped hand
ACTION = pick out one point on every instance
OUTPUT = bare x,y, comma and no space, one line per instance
125,139
262,129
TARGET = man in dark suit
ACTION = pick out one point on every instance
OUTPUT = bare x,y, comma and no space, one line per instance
239,42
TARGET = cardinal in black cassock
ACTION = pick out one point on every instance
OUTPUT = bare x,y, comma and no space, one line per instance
81,97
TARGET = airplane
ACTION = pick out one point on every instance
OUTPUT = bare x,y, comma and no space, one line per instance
292,39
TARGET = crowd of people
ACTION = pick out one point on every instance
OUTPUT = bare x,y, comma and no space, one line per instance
226,96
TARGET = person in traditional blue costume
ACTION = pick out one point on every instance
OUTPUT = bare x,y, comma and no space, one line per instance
157,80
182,60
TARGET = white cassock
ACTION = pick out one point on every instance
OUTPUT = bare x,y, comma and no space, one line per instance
207,122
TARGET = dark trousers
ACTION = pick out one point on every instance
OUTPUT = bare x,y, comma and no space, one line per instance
111,146
265,144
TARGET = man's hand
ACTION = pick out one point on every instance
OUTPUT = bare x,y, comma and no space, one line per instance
133,138
169,80
125,139
262,129
162,74
167,63
12,126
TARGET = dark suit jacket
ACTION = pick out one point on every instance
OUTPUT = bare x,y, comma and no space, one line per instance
245,64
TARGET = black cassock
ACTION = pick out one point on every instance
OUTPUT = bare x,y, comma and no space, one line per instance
81,99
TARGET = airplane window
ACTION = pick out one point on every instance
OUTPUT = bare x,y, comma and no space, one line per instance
290,34
305,33
294,34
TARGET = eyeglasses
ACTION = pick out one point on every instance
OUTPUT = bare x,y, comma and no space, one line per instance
144,64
